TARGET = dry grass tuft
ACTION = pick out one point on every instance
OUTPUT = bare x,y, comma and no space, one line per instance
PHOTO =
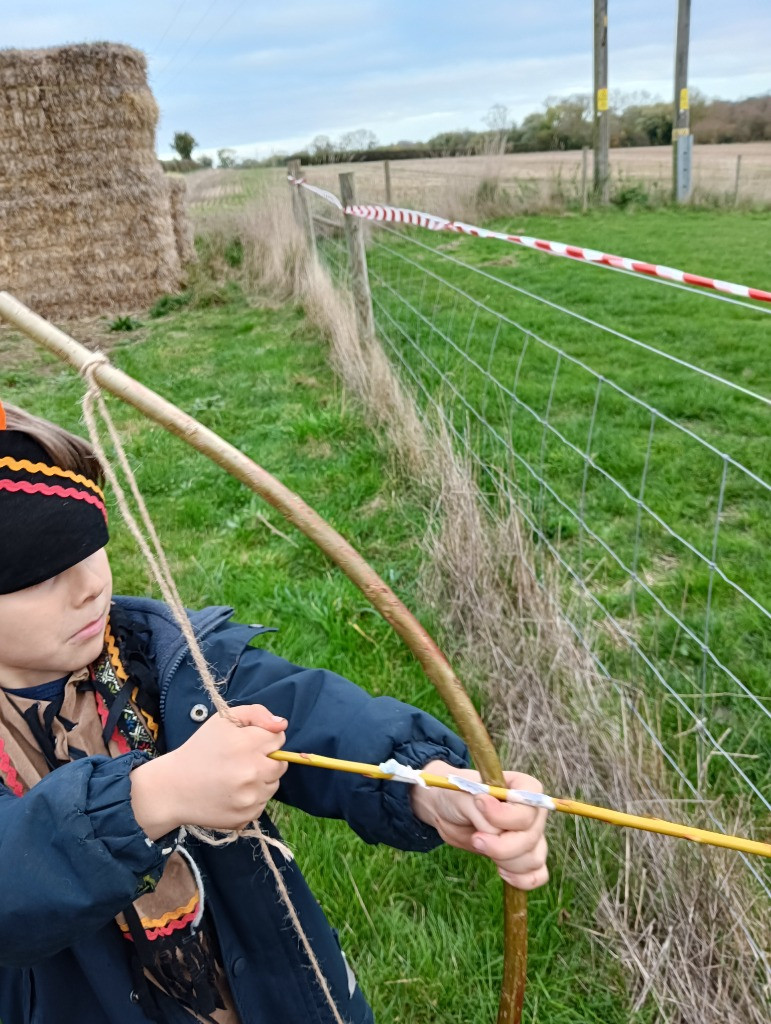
677,916
276,260
674,913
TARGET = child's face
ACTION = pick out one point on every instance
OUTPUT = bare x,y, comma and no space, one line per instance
55,627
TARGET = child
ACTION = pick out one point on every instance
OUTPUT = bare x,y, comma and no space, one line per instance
109,913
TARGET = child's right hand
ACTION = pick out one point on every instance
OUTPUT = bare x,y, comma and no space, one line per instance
220,778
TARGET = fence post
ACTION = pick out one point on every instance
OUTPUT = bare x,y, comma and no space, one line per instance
601,109
387,172
362,297
584,177
738,174
300,206
293,170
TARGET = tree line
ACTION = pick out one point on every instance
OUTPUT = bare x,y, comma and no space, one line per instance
564,123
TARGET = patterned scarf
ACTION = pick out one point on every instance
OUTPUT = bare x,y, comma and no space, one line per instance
111,708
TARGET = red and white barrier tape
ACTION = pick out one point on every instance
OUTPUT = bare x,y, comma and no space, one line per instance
397,215
330,197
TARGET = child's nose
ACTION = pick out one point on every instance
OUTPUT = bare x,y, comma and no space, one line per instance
85,581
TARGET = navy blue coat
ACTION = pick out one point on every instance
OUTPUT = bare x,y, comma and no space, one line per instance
72,853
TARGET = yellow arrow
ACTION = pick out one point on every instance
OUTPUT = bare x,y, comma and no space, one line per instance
666,828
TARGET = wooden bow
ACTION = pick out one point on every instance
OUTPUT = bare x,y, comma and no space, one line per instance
299,514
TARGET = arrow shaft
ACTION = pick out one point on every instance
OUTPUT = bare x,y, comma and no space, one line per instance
609,816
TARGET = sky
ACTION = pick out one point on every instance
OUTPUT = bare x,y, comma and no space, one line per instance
263,77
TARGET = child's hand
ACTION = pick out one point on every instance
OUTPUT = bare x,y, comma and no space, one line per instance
512,835
220,778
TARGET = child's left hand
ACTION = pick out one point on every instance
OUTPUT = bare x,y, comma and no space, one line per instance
511,835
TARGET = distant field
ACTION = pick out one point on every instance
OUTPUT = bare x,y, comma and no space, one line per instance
450,186
714,172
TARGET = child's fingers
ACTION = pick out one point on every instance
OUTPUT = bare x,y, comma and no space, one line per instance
527,880
517,817
258,714
273,771
510,848
507,817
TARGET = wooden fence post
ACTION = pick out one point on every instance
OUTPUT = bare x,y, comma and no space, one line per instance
362,297
300,206
293,171
387,172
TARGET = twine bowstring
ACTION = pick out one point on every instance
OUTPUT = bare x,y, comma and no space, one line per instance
158,565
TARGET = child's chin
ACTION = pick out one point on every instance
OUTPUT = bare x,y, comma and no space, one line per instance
86,651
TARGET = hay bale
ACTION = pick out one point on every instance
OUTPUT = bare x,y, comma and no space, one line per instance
183,229
87,220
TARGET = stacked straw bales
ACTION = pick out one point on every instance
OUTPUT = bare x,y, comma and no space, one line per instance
88,222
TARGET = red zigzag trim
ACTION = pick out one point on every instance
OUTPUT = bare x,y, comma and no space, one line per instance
52,490
11,777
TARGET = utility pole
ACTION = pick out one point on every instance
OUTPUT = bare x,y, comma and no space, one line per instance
601,112
682,140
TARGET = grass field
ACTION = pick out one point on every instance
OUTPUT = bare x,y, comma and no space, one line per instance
417,929
502,378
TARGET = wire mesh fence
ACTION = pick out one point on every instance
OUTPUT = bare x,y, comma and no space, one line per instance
642,476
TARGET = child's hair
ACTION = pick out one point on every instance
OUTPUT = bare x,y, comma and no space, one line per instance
66,450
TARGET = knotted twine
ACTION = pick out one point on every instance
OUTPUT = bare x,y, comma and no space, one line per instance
157,562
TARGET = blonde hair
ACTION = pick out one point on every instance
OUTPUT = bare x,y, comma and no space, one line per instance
67,450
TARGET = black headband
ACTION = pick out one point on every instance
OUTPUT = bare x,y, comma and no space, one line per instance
50,518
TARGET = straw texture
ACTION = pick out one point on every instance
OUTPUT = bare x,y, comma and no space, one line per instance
88,222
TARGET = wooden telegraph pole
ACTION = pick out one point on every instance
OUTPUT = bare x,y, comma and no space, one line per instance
601,113
682,140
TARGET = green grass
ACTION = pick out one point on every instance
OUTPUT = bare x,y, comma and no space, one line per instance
423,932
234,188
683,479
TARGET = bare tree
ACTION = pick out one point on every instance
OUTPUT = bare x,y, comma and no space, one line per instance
498,121
323,148
357,140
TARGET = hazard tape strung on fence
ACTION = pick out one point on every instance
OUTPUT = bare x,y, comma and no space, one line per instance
415,218
330,197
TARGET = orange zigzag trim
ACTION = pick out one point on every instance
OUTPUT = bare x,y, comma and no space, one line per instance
120,672
170,915
173,926
152,725
112,650
41,467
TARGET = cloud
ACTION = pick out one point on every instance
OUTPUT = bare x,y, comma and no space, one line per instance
287,59
248,75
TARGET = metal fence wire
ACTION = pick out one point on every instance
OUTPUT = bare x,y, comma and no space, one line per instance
643,479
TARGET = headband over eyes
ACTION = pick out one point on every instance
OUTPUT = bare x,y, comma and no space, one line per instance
50,518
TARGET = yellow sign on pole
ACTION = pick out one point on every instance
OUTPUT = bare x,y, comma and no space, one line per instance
602,99
683,99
